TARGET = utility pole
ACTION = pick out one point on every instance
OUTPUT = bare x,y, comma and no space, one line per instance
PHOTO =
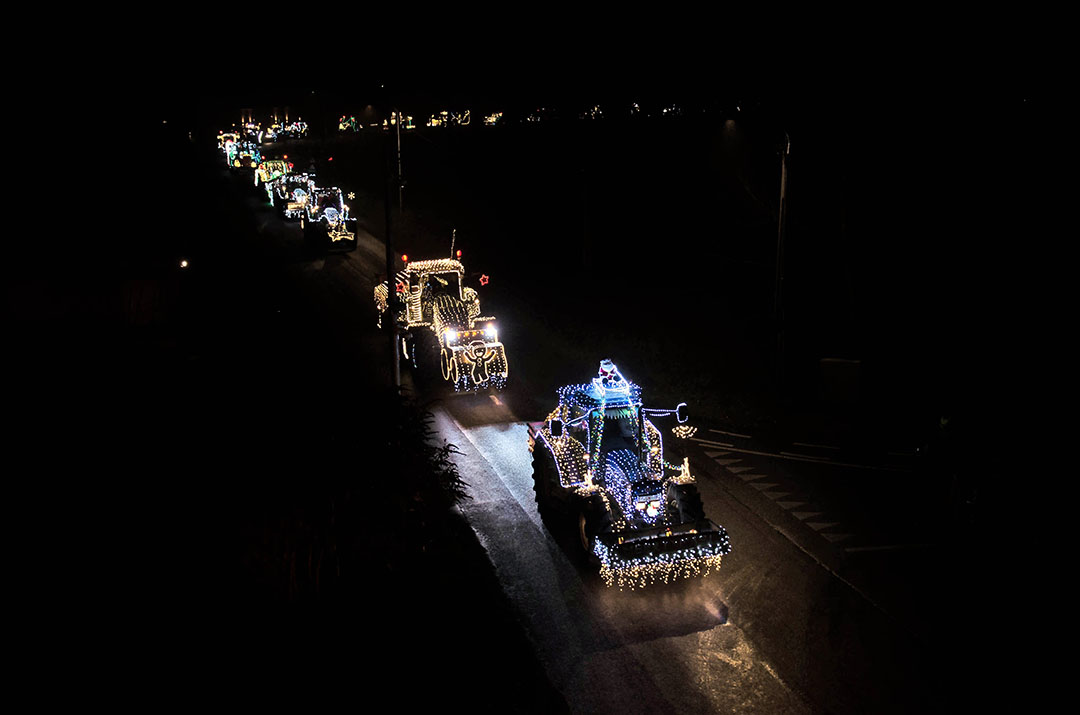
400,181
778,310
391,283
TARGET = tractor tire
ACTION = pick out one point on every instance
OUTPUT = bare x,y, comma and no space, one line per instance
685,500
545,480
425,353
590,517
455,372
445,361
408,350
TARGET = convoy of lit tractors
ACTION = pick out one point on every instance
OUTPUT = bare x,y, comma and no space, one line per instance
601,478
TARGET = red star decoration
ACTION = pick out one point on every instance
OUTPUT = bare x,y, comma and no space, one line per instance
484,279
401,286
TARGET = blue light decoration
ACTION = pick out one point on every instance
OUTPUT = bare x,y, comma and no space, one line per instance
471,357
604,445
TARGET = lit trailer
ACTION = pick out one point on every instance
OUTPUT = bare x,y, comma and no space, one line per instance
600,477
438,312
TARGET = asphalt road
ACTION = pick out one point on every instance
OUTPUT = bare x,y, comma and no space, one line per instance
776,630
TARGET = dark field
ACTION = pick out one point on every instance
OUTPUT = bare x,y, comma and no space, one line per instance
649,239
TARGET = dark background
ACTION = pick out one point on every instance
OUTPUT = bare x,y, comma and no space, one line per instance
918,243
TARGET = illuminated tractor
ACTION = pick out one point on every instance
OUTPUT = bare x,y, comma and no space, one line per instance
291,194
225,138
602,482
243,156
270,170
326,221
253,132
439,315
294,130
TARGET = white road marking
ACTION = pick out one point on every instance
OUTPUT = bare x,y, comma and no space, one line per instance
804,458
820,446
730,434
710,442
889,547
808,457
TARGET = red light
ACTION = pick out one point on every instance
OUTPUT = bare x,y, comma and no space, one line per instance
484,280
330,159
404,258
459,253
285,157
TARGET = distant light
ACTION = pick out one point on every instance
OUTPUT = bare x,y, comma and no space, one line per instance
183,263
330,159
285,157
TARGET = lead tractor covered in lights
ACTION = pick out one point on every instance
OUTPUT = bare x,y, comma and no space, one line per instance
439,314
601,479
326,221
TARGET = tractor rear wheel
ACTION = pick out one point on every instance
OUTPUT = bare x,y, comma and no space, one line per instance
590,518
686,501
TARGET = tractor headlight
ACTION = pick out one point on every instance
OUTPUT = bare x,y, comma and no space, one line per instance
651,505
491,332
